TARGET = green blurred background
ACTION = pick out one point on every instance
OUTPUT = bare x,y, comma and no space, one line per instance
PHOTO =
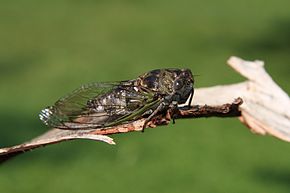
48,48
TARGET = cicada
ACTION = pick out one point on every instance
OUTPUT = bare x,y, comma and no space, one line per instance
101,105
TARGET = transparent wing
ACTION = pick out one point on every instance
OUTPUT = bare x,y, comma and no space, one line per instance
76,101
73,112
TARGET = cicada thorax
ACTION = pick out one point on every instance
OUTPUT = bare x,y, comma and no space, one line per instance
172,85
158,81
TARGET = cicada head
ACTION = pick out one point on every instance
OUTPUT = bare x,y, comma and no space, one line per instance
174,84
182,86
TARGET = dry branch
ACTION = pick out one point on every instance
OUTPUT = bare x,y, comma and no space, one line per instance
58,135
265,110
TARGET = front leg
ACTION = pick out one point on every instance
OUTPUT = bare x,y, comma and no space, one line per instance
160,107
173,108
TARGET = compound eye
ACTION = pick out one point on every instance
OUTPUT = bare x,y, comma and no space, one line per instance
178,84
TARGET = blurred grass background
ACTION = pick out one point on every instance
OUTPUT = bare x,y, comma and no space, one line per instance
48,48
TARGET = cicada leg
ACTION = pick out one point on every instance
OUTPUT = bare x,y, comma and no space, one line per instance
191,96
158,109
173,109
169,112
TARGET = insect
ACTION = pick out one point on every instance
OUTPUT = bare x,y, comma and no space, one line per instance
101,105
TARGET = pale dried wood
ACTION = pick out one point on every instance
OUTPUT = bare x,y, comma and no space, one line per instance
266,106
265,110
58,135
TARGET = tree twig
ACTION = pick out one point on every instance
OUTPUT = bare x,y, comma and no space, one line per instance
58,135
